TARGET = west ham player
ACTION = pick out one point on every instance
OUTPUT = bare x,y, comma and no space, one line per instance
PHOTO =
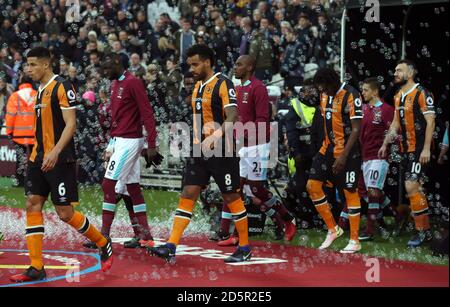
130,109
214,105
415,119
377,117
254,108
338,159
51,167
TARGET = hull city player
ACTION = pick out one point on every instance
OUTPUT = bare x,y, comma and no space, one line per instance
415,119
52,168
213,102
338,159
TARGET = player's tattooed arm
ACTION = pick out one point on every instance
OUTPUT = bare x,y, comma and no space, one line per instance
390,137
426,154
226,129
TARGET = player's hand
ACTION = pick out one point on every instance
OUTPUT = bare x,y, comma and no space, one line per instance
50,160
339,164
441,159
153,157
210,143
151,153
425,156
382,152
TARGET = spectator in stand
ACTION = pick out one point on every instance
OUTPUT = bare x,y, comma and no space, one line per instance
184,38
303,28
73,77
246,25
292,65
172,78
136,67
261,51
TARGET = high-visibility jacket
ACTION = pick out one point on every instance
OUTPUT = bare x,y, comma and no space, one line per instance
20,116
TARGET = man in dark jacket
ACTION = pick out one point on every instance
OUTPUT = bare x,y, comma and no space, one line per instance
292,65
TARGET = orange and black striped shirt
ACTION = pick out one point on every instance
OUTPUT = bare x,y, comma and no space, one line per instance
338,111
411,108
56,95
209,100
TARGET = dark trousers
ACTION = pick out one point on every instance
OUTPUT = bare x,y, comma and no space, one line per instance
298,200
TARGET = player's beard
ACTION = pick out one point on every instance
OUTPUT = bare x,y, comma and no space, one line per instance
201,76
401,81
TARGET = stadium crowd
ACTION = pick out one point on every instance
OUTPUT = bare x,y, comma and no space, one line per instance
285,37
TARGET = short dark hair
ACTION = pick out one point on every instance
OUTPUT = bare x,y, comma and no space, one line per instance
373,83
39,52
409,63
322,14
96,52
111,56
203,51
303,15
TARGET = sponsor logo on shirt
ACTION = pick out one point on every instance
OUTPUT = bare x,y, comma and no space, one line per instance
120,92
245,98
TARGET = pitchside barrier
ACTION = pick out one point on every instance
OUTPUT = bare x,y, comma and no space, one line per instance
7,157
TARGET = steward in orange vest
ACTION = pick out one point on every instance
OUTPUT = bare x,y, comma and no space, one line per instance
20,115
20,122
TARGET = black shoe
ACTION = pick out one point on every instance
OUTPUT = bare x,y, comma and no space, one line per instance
421,237
90,245
30,274
106,255
384,233
133,243
240,255
166,252
400,225
365,236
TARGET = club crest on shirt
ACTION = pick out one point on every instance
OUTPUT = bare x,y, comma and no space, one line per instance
208,90
376,116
